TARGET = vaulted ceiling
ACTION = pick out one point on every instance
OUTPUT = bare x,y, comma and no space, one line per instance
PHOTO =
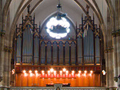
44,8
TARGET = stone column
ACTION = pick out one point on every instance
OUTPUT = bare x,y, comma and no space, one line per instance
115,64
5,59
118,58
107,69
118,40
109,53
1,44
7,53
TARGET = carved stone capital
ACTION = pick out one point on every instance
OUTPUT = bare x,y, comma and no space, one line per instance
7,49
2,33
109,49
1,78
116,33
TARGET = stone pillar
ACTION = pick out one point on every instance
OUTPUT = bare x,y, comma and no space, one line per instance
118,58
109,67
118,40
7,58
107,70
118,46
0,43
109,53
115,64
5,49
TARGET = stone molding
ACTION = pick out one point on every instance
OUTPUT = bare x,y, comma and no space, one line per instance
109,49
116,33
7,49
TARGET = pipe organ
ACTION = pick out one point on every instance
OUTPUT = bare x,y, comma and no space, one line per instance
33,52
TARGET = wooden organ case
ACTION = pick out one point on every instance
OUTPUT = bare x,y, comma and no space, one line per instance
81,54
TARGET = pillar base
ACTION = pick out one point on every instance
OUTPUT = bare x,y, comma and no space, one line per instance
4,88
112,88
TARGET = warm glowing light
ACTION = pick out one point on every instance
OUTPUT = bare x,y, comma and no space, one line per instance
48,72
24,71
37,74
31,74
103,72
84,74
73,72
60,72
13,71
78,75
79,71
90,74
64,69
36,71
54,72
91,71
30,71
66,72
85,71
25,74
51,70
42,71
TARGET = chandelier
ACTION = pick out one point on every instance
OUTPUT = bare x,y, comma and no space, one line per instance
58,27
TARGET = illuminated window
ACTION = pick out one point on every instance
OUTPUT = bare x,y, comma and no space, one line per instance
58,28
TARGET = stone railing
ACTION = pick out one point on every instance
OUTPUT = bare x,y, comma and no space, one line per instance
32,88
83,88
61,88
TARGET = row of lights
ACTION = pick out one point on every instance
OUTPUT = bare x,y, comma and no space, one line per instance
52,71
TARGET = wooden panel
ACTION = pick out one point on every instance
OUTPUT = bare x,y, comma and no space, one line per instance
24,80
18,80
82,81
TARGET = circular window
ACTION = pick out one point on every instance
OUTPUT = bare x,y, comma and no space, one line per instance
58,28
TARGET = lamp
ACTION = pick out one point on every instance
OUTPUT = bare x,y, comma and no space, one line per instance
58,27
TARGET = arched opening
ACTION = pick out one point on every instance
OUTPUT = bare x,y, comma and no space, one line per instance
75,60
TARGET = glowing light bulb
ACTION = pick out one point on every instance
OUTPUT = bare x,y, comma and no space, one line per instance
25,74
90,74
84,74
54,72
36,71
79,71
60,72
64,69
13,71
51,70
31,74
85,71
24,71
42,72
91,71
78,75
37,74
66,72
30,71
73,72
48,72
103,72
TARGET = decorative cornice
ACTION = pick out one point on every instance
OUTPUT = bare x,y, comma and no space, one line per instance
2,32
116,33
7,49
109,49
1,78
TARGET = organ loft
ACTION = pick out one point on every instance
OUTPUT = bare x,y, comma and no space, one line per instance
59,44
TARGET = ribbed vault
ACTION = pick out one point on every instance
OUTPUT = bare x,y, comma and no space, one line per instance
43,8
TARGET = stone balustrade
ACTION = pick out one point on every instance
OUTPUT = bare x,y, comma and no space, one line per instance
61,88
